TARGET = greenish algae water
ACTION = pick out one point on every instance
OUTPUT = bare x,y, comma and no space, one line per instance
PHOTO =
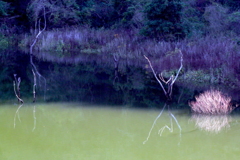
60,131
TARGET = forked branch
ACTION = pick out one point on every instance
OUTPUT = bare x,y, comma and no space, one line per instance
170,81
162,79
168,94
155,75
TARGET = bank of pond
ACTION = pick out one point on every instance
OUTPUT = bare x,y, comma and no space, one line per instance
97,80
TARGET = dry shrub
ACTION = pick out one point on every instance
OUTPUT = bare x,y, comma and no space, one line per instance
211,102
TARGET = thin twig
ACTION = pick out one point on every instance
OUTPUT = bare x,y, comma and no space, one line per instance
14,87
34,86
155,75
181,65
161,78
39,32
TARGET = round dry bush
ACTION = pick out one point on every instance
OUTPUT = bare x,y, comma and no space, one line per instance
211,102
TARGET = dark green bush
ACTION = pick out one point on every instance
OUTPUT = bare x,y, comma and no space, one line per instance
192,17
233,4
109,13
58,13
4,8
163,20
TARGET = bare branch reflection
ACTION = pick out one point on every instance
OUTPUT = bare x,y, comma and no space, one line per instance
34,118
17,115
170,128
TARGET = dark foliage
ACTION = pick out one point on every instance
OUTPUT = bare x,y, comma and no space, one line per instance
168,20
106,13
164,20
233,4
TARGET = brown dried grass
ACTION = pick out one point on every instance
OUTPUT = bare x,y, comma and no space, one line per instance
211,102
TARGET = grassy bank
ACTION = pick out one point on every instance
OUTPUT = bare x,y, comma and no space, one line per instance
209,59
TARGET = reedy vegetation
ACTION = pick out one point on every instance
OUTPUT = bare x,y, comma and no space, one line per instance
112,28
213,59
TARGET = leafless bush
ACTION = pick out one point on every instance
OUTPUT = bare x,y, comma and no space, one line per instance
211,102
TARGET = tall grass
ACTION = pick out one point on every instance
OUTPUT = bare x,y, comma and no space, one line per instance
216,56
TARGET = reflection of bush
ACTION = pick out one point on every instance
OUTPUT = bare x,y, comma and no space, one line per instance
211,102
212,124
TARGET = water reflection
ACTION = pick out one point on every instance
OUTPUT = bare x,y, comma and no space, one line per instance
80,131
17,116
170,128
212,124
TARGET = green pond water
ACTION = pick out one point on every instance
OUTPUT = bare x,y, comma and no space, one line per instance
71,131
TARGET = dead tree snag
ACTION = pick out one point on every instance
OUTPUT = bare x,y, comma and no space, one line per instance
167,91
35,71
16,87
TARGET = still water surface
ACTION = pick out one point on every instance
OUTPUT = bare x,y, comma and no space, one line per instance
60,131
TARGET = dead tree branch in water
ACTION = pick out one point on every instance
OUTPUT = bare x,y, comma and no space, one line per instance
34,68
168,93
34,86
39,30
16,87
116,63
35,71
170,81
16,84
